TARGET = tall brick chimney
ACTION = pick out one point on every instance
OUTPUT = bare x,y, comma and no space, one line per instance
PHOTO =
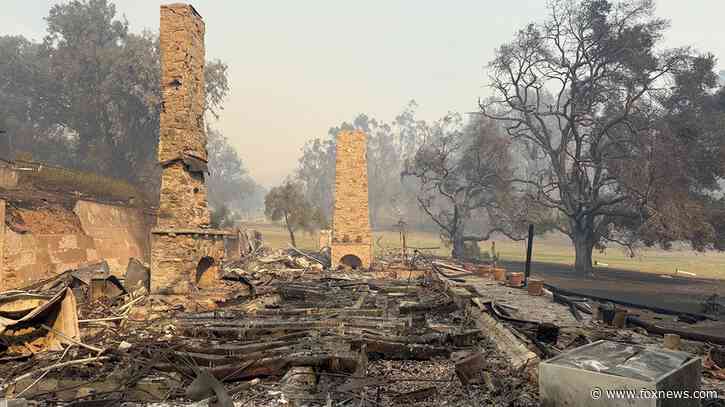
182,137
351,235
185,252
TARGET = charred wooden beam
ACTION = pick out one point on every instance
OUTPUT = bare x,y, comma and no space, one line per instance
278,365
399,350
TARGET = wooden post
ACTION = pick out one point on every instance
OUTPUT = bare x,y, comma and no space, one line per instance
529,248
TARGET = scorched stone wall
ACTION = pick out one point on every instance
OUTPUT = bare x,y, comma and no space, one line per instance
98,232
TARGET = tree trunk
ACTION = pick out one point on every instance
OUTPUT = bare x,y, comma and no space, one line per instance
292,237
289,229
458,246
583,247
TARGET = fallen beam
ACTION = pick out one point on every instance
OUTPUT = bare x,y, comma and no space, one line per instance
277,366
515,350
519,355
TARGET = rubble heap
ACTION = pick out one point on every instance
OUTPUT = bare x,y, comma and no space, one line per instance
295,335
282,328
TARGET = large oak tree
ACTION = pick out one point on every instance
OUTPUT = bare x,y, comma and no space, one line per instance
586,91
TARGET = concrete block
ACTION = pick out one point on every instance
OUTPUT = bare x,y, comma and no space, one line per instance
588,376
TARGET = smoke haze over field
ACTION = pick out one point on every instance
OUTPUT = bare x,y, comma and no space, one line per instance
298,68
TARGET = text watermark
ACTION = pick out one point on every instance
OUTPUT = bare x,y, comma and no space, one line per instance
649,394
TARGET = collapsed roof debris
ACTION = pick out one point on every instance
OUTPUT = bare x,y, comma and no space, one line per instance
282,329
32,323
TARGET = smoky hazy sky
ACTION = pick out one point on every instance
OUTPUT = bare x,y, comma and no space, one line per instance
298,68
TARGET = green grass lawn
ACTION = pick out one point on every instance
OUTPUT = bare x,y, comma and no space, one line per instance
547,249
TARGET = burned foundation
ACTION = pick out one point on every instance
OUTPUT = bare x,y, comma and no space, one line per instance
183,247
351,235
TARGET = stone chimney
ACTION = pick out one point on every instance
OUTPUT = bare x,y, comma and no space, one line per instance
185,252
182,136
351,235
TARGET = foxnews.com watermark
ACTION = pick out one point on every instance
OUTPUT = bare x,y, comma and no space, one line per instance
649,394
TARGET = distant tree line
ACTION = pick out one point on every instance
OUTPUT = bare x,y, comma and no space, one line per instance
401,193
87,97
451,175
